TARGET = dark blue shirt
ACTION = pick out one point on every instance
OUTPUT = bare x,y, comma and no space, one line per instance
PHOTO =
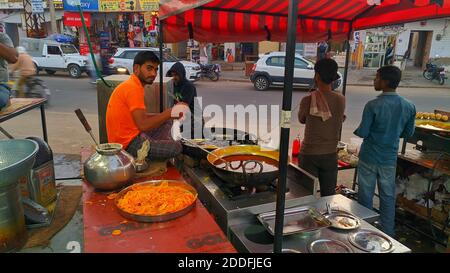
385,120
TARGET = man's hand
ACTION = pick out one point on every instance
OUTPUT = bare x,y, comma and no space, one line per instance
178,110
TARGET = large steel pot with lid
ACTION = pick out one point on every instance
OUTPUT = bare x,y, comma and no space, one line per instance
110,167
245,165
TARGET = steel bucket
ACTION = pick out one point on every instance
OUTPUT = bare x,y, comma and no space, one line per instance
233,177
17,157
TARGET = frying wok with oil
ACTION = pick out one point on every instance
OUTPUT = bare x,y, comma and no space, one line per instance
249,165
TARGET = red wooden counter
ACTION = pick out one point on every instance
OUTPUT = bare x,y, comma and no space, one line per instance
195,232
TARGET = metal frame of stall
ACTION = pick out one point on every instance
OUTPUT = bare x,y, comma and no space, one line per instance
286,107
292,18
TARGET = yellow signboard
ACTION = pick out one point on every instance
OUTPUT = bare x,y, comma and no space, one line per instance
149,5
117,5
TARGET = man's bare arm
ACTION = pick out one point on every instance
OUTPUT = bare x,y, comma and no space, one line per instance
146,122
8,53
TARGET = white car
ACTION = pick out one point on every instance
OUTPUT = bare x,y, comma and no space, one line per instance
53,56
269,70
122,62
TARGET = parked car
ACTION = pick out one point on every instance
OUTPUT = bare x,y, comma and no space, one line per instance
52,56
122,62
269,71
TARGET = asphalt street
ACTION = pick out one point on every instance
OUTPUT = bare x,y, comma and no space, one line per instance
66,135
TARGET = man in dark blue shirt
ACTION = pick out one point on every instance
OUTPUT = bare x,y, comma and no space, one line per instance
385,120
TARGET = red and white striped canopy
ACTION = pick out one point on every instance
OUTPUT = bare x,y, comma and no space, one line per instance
259,20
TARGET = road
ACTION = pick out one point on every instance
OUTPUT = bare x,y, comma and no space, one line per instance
66,135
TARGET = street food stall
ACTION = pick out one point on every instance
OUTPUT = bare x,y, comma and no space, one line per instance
291,21
229,208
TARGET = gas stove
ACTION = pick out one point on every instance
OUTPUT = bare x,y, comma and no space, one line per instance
235,209
235,205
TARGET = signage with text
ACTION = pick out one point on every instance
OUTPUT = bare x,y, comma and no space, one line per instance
86,5
37,6
73,19
118,5
149,5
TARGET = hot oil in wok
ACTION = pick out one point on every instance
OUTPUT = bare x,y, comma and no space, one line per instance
251,163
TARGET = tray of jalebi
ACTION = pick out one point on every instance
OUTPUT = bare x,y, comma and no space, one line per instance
156,200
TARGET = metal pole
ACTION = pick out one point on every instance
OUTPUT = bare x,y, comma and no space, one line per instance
285,124
161,67
52,17
44,123
347,58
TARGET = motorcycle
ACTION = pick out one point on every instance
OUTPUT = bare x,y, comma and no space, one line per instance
432,72
211,71
33,88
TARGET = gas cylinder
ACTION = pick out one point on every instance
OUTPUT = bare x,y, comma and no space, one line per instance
41,186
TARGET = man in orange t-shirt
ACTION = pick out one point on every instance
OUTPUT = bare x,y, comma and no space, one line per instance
127,121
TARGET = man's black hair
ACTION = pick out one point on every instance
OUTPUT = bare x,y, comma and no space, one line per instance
327,70
145,56
392,74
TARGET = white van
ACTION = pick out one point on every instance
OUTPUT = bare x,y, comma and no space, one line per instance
52,56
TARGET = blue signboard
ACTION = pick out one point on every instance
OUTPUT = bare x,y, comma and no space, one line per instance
86,5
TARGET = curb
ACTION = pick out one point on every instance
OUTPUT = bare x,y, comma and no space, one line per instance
351,84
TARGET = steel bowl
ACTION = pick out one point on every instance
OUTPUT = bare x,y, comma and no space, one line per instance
254,153
157,218
17,157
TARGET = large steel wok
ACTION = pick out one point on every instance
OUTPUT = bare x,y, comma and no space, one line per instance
245,165
219,138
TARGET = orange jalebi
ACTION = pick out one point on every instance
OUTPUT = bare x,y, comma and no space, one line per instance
155,200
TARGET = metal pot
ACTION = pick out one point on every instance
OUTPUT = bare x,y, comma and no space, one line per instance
110,167
251,171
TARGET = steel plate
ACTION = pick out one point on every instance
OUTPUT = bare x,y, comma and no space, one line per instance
158,218
328,246
371,241
343,221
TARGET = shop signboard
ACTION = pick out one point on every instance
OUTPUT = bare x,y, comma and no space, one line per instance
11,4
37,6
117,5
73,19
149,5
86,5
58,4
310,49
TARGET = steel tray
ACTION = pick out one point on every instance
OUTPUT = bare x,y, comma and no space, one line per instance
296,220
157,218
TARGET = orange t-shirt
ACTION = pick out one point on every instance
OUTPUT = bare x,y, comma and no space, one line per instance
127,97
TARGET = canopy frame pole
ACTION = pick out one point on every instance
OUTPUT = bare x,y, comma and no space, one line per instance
161,68
347,59
285,124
